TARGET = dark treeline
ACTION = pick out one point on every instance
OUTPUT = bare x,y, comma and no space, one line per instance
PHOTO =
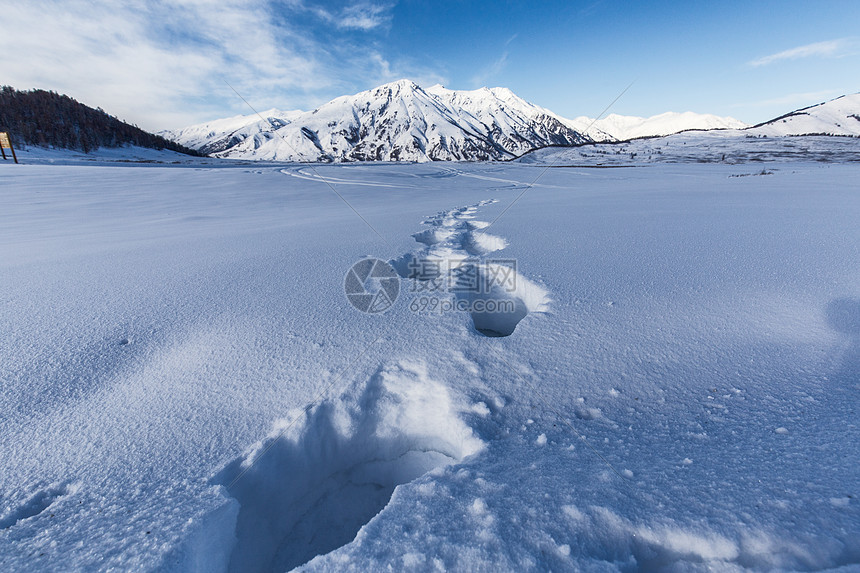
48,119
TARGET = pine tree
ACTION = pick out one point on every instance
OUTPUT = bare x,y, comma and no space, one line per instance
48,119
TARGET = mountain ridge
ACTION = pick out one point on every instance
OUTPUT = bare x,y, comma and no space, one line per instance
395,121
402,121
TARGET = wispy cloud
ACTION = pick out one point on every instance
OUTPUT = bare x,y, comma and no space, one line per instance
365,16
830,48
359,16
490,71
162,64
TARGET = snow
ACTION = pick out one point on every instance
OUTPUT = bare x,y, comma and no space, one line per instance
186,387
730,147
401,121
623,128
35,155
398,121
840,116
208,137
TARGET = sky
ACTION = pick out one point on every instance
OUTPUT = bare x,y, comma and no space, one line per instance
164,65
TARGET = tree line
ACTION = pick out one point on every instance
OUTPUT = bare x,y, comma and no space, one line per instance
48,119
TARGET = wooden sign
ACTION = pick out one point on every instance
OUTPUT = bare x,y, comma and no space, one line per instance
6,143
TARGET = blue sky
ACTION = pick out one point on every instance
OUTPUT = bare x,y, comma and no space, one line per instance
164,64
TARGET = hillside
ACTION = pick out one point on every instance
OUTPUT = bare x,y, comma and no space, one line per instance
48,119
840,116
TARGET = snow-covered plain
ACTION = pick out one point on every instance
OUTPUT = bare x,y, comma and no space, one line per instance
185,386
731,147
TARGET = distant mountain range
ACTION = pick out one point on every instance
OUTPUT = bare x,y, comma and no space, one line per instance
828,133
396,121
622,128
402,121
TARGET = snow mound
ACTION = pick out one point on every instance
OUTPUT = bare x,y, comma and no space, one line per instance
322,475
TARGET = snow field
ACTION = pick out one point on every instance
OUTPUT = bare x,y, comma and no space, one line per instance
166,328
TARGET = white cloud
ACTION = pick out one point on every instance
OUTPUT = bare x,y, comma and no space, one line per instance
163,64
358,16
830,48
365,16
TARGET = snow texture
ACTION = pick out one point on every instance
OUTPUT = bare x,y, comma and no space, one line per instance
186,388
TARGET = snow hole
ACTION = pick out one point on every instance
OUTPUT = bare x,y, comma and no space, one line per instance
310,487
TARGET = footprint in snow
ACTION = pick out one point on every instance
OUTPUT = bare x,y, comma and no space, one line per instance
311,486
456,256
35,505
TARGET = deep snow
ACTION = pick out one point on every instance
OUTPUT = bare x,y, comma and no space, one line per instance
186,387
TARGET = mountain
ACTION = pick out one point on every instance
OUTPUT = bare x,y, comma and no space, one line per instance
807,134
48,119
402,121
623,128
396,121
840,116
221,134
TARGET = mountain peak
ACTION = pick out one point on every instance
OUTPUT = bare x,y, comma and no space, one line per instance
395,121
398,86
400,121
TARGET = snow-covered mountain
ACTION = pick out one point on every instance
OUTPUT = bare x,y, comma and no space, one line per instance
402,121
396,121
840,116
622,128
220,134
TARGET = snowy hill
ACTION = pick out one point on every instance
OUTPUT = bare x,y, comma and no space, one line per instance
623,128
775,140
221,134
396,121
840,116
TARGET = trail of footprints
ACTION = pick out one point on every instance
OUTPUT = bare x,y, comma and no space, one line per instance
455,252
312,485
